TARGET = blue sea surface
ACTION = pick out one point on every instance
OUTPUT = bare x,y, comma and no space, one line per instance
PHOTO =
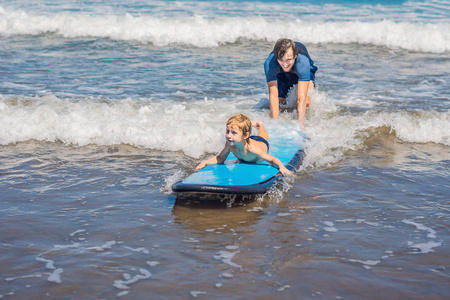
105,104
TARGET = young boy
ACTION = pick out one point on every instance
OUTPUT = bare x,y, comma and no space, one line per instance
245,147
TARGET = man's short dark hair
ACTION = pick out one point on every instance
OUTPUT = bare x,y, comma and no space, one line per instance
282,46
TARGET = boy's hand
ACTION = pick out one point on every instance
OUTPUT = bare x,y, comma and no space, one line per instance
286,172
200,166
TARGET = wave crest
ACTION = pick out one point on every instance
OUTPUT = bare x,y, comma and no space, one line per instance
200,31
196,128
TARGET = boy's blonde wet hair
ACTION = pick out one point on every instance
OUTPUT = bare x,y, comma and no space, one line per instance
243,123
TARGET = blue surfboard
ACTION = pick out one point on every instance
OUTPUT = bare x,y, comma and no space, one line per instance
240,178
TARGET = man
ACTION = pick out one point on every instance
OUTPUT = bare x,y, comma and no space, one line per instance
289,64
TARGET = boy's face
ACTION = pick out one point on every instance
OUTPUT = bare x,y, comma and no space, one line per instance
234,135
287,61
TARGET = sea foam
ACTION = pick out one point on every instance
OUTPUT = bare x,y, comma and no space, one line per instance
197,127
331,132
201,31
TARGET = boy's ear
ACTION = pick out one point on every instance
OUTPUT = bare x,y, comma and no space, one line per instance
247,135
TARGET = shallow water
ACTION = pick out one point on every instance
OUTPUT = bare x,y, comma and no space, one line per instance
93,223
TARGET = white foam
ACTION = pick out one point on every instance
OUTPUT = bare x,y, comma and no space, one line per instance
56,275
172,126
425,247
195,294
226,275
191,240
123,284
162,125
329,223
356,102
140,249
255,209
232,247
49,263
77,231
170,180
107,245
60,247
24,276
367,264
329,226
226,257
431,232
332,133
283,288
284,214
135,181
200,31
358,221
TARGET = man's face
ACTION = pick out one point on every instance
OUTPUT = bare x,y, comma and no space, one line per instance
287,61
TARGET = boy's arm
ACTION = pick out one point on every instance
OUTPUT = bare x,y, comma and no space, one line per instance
217,159
274,161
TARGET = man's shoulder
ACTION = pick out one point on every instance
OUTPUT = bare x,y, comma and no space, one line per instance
271,65
270,59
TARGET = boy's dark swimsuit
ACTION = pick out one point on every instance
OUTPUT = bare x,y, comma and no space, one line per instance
260,139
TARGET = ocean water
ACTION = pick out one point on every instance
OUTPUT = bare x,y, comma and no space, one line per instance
105,104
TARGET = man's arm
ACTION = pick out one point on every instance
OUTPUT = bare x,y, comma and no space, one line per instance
273,99
302,93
